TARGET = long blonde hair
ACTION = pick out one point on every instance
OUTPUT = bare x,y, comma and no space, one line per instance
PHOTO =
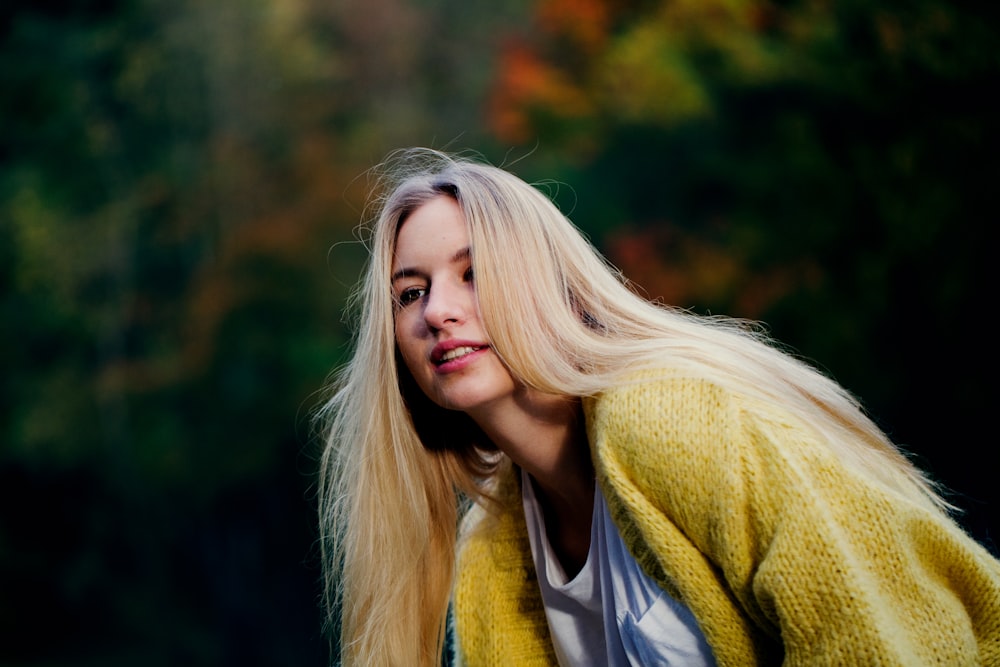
396,468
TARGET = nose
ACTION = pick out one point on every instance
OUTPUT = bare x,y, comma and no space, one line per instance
447,304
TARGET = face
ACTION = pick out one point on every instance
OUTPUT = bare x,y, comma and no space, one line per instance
438,331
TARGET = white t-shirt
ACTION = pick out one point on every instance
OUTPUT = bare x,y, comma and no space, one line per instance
611,613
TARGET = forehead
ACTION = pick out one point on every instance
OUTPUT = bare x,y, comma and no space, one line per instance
433,232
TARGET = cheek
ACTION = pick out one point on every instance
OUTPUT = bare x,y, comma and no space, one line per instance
407,343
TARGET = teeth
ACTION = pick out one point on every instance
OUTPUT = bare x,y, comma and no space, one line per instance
457,352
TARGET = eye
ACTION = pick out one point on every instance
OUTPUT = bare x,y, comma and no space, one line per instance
409,295
468,275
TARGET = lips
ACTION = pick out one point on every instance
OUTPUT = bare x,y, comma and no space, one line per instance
454,350
456,353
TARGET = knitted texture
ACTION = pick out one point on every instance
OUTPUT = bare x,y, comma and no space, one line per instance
499,614
780,551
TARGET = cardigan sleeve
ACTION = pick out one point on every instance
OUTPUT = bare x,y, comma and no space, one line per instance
498,610
839,569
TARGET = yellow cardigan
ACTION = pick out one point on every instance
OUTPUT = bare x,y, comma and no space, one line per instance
780,552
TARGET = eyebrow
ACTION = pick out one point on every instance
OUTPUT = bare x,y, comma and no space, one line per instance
406,272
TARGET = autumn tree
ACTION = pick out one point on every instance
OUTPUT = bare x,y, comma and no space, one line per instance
824,167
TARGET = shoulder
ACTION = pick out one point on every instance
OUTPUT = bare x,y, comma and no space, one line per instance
670,406
690,445
694,415
653,399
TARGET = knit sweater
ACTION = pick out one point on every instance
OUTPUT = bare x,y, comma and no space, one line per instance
781,552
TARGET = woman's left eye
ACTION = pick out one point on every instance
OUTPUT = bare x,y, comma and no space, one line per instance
468,276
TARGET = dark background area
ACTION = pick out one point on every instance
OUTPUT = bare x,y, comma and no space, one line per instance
179,187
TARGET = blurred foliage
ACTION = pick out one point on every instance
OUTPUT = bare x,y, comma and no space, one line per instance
179,184
827,168
178,187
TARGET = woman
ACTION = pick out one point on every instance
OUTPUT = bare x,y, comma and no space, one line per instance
646,486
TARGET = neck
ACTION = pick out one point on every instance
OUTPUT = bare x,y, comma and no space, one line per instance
545,435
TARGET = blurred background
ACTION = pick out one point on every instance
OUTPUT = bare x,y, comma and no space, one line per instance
179,186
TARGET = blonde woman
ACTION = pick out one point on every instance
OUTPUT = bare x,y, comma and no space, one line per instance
579,477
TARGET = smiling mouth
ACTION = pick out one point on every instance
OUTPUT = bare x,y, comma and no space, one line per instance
458,352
